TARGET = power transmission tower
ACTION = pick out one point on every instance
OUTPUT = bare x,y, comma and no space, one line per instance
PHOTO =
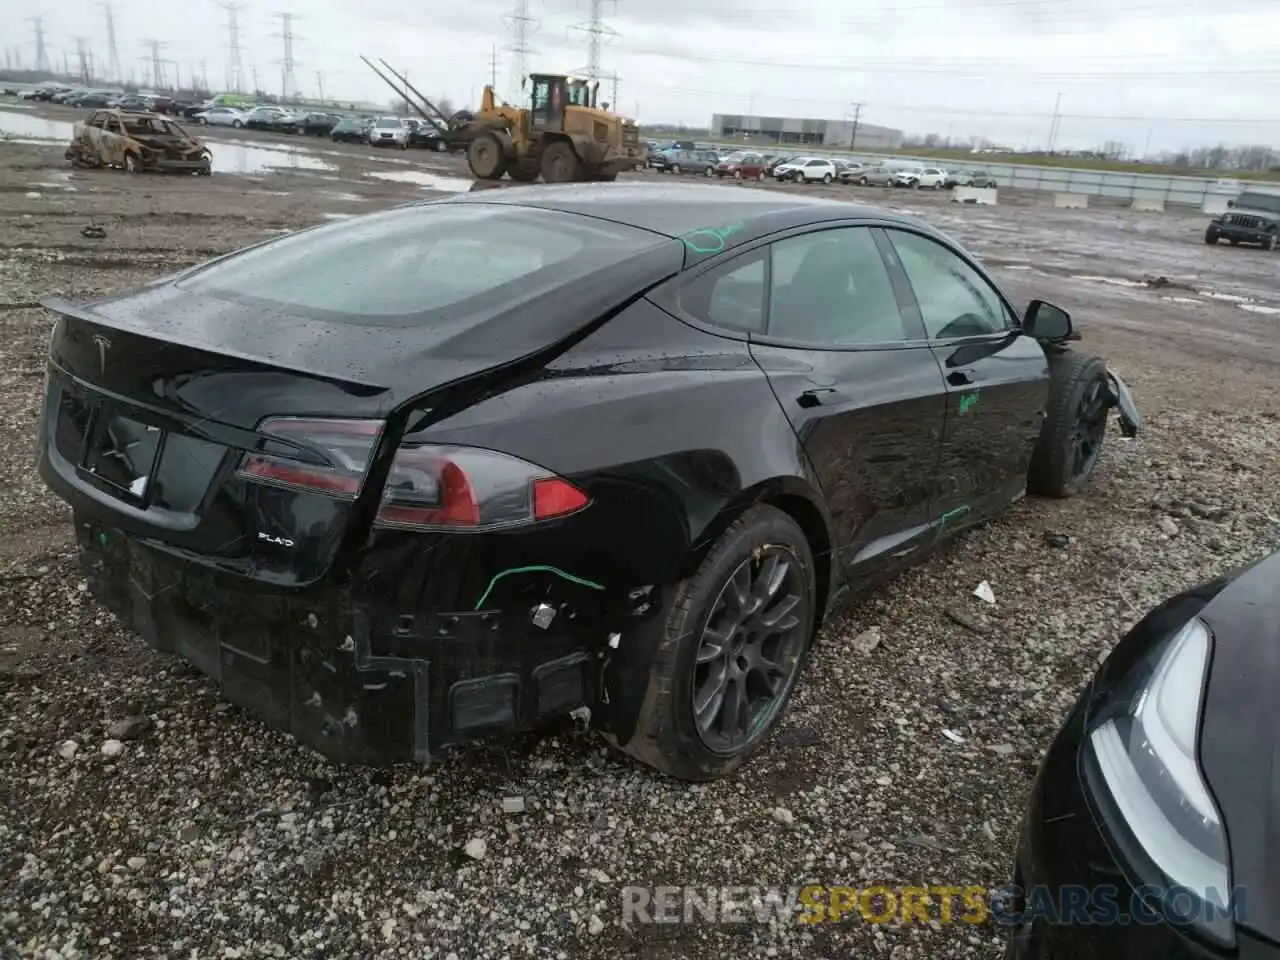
613,98
521,26
82,55
288,83
320,84
235,71
113,52
42,52
204,77
598,33
157,65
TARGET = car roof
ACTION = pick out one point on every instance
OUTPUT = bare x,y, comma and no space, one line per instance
676,210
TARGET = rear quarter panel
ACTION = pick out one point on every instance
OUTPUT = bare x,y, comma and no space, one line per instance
666,427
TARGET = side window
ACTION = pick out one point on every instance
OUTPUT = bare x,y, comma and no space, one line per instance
832,288
954,299
732,296
113,125
95,120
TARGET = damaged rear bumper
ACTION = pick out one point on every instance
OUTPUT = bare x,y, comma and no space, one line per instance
357,684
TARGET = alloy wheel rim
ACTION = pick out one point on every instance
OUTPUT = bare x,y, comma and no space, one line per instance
1090,426
750,650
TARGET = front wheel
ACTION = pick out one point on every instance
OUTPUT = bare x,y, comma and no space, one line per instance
862,181
237,124
674,168
1071,436
826,178
1269,243
131,163
203,122
760,176
734,642
560,164
710,171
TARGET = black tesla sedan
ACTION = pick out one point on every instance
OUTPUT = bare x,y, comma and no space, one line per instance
458,466
1151,827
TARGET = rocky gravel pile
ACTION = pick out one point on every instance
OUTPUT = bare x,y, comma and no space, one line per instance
144,817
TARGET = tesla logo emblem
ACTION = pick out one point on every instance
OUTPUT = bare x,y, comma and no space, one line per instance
279,541
103,345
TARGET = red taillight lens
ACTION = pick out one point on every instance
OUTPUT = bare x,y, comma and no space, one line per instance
429,487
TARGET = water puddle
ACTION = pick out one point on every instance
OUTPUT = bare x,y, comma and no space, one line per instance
1259,308
1113,281
1182,300
429,181
20,128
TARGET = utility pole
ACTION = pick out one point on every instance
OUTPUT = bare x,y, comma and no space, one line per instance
613,99
320,84
42,52
113,52
204,77
256,88
1053,124
521,26
493,66
66,62
82,54
235,72
857,115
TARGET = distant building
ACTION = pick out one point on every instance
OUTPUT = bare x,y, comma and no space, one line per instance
804,131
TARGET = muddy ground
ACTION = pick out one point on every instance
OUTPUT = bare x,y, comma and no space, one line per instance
209,835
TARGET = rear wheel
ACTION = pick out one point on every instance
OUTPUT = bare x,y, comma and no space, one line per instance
826,178
560,164
734,642
674,168
1269,243
237,124
484,157
760,176
132,164
862,181
1072,434
710,171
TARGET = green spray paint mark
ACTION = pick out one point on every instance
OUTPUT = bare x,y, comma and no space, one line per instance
103,539
946,517
711,239
537,568
969,401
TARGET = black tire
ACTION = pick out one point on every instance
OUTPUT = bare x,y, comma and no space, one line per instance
1269,244
525,172
560,164
674,168
862,181
132,164
1210,237
668,735
826,178
1073,430
236,124
485,158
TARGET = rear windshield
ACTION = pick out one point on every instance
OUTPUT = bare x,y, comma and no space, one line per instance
1259,201
384,124
422,264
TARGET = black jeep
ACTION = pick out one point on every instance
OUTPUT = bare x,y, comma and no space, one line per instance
1254,217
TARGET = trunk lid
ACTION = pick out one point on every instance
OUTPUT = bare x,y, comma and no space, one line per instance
154,399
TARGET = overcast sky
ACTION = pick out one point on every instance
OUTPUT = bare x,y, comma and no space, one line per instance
1175,72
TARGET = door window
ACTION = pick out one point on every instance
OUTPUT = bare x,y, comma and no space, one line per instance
832,288
954,298
732,296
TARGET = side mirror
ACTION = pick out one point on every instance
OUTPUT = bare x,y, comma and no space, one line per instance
1046,322
1231,203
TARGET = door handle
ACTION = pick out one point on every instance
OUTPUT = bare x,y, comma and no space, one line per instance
817,396
959,378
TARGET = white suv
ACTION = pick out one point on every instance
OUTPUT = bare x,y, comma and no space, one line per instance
934,178
390,132
807,170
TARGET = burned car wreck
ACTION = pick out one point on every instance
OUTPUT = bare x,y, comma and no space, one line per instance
453,468
137,142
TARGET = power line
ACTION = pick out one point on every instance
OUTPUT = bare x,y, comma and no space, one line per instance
235,71
521,26
42,52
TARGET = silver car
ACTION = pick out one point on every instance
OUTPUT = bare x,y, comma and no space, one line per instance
877,176
220,117
390,132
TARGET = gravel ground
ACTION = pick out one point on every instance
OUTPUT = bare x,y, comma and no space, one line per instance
146,818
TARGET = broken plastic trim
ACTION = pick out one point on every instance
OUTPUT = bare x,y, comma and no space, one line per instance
536,568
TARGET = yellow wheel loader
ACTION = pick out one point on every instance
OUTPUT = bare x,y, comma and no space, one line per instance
562,135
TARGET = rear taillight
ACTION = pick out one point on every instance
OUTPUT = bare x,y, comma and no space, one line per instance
429,487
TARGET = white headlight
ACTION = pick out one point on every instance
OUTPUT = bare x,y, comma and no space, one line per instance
1147,758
